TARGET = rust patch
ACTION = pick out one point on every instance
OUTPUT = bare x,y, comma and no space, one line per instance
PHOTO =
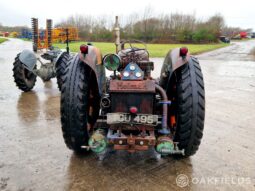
133,143
130,86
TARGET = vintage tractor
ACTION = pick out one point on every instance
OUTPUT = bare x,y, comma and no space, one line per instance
130,110
53,61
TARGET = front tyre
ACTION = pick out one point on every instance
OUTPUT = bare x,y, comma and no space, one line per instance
190,107
24,79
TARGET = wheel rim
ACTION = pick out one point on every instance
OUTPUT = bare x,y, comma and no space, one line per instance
28,75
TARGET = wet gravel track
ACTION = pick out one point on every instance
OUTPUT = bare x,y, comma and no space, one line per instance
33,155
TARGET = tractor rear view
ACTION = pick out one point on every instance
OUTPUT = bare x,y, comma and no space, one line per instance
130,110
52,61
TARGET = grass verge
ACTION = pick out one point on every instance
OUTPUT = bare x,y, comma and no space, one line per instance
3,40
155,50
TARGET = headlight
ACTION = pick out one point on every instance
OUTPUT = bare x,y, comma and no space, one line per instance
125,74
132,67
111,61
138,74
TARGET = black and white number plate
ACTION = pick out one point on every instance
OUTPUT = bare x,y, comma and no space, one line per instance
146,119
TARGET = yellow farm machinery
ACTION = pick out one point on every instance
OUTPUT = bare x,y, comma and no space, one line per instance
59,34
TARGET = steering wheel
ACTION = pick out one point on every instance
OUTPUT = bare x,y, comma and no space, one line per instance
131,44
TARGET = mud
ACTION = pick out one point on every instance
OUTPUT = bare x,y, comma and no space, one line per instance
33,155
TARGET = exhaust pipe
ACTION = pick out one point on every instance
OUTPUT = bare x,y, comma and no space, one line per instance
165,102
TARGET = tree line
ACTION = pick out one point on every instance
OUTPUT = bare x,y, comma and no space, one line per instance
148,27
11,29
164,28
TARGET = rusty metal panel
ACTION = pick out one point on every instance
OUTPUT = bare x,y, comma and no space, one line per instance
178,61
132,86
121,102
94,60
93,57
134,128
133,143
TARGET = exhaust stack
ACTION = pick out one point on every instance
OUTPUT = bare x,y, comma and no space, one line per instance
117,34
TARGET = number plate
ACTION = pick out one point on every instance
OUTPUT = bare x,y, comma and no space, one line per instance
115,118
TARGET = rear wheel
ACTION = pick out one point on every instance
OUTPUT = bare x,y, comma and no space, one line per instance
61,65
76,102
24,79
190,107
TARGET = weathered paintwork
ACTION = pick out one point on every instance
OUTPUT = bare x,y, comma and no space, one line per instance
28,58
94,60
132,86
172,62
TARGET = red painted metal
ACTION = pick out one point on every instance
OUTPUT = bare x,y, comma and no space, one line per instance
6,34
132,86
243,34
133,110
84,49
183,51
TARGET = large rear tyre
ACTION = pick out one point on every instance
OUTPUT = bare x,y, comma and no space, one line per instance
74,104
61,65
24,79
190,107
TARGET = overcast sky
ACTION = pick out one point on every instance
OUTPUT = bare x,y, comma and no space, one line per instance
18,12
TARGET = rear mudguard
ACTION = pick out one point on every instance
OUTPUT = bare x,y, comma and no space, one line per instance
172,62
28,58
94,60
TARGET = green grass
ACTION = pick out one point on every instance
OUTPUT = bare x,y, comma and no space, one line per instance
3,40
26,39
155,50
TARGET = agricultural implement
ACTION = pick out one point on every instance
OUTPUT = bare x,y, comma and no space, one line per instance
52,61
59,35
130,110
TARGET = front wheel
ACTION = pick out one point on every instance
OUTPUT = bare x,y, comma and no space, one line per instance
190,107
24,79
